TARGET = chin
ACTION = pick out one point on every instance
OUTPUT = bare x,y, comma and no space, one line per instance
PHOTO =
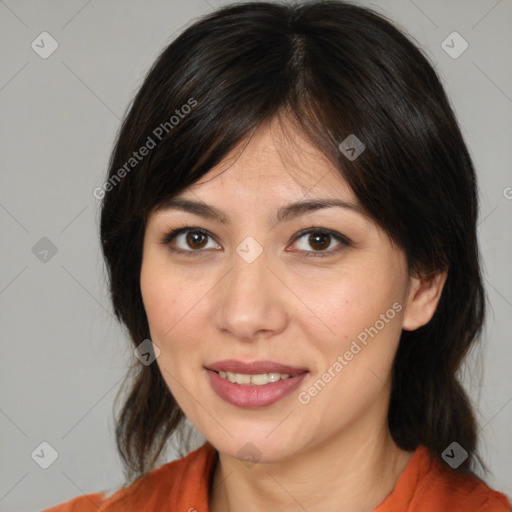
257,446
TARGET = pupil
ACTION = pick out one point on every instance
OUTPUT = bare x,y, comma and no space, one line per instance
192,239
313,240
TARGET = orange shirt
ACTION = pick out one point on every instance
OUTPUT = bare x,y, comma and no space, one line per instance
425,485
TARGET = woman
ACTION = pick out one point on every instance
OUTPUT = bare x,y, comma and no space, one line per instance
289,226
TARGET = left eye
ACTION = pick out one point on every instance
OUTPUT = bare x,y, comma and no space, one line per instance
320,241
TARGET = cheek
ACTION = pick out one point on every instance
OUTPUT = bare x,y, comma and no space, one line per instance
169,306
160,293
356,340
159,303
174,310
167,316
346,305
163,294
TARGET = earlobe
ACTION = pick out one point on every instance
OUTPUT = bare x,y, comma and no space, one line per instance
424,295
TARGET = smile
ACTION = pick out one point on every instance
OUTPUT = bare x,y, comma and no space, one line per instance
259,379
255,384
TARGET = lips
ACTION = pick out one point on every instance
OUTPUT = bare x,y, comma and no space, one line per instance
254,368
247,395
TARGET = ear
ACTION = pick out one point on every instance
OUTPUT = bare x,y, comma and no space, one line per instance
424,295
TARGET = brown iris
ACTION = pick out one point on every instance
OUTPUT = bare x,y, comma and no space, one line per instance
313,240
192,239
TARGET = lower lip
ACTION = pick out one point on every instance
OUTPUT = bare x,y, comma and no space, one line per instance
254,396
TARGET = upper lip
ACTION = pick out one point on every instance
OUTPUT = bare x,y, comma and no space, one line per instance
254,367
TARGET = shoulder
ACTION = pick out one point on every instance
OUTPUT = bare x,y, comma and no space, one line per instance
436,486
182,481
465,492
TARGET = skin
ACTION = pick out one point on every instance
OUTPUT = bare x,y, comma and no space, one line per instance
284,307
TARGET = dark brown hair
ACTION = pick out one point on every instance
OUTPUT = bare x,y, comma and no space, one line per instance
337,69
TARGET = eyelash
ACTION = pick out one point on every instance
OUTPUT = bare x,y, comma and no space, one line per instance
344,241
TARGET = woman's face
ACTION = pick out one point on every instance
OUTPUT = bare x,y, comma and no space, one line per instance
320,290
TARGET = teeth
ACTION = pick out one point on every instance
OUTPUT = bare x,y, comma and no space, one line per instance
256,380
242,379
259,379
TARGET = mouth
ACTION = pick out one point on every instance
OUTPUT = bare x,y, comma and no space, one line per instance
255,368
255,384
258,379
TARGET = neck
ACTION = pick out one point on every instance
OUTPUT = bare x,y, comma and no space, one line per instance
353,472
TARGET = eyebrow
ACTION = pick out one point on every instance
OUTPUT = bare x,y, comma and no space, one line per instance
285,213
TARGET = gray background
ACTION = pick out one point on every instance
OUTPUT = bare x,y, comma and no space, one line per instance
63,355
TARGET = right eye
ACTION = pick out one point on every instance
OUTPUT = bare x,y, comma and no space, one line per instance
191,239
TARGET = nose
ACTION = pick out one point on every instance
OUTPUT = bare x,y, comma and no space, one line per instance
251,301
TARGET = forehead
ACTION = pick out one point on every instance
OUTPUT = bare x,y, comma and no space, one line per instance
276,161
